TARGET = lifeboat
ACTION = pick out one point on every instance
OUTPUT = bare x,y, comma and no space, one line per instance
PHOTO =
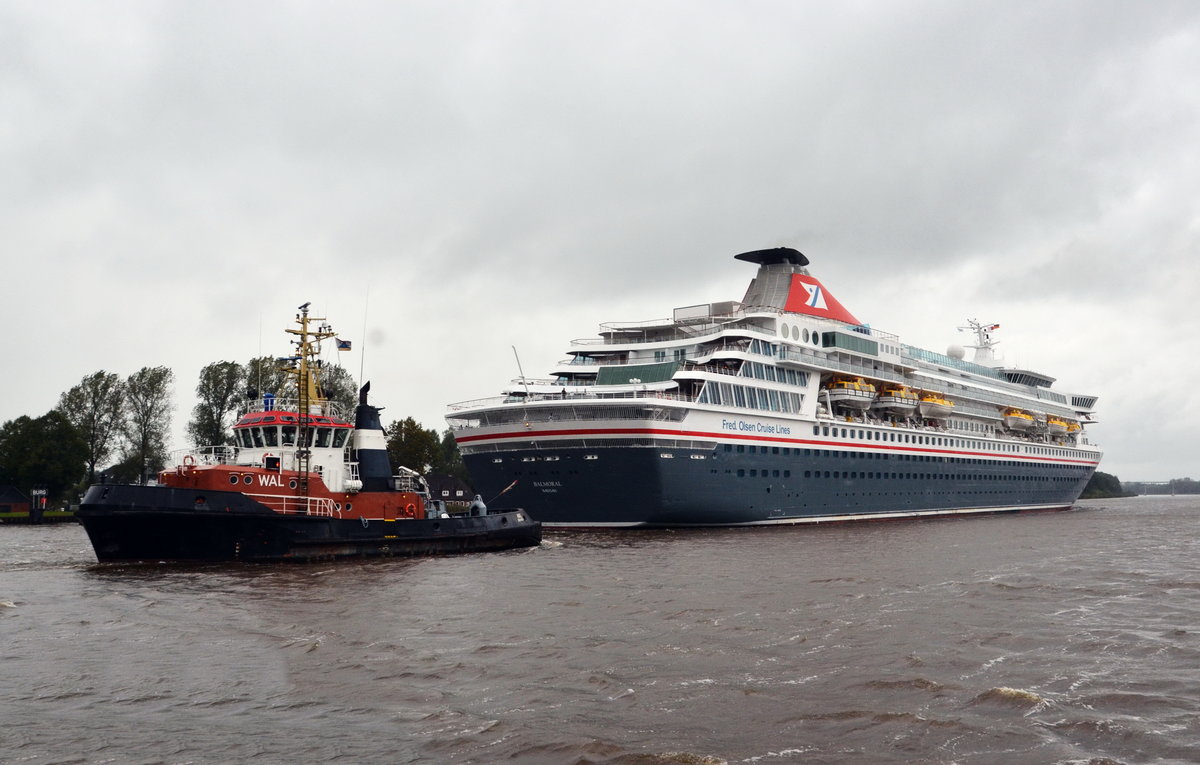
849,392
1016,419
300,483
1056,426
897,399
935,407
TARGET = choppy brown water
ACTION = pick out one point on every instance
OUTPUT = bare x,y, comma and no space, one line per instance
1059,638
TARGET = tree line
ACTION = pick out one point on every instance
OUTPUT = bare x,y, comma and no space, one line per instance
116,428
1104,486
1173,486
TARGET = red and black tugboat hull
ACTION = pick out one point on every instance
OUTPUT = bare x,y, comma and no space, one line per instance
153,523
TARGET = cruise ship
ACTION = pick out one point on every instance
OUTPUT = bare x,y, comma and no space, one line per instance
779,409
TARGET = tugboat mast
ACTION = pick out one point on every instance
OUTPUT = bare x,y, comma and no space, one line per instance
305,370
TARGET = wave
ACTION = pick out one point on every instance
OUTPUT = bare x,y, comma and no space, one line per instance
1015,697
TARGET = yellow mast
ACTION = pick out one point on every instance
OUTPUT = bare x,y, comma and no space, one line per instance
305,369
307,372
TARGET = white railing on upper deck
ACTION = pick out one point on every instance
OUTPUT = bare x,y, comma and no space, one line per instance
571,396
323,408
627,332
291,505
206,455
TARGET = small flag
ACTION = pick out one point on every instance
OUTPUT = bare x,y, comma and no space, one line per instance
343,345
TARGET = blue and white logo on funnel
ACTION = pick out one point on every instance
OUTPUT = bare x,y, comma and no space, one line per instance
816,296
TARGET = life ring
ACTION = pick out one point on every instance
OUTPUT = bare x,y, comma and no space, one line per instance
410,510
189,460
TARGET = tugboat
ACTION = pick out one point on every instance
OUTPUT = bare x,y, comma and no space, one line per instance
301,484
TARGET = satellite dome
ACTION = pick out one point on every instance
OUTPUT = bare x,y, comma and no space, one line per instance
956,352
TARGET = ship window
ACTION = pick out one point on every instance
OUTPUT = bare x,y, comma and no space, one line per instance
741,473
816,430
257,434
271,436
247,480
245,436
233,478
289,435
323,437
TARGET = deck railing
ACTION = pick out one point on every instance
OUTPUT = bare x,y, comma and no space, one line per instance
290,505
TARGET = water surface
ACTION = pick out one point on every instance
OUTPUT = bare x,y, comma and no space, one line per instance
1067,637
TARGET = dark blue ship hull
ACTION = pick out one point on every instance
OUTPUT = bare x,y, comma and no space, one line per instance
153,523
672,486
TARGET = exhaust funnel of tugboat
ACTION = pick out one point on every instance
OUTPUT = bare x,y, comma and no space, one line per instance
374,467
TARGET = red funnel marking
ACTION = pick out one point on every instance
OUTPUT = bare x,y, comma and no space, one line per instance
809,296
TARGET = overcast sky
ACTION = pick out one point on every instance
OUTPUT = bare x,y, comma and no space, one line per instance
458,178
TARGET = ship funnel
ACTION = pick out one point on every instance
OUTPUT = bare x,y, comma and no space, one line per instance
374,467
783,283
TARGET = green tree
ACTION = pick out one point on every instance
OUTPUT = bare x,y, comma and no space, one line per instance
219,391
340,388
450,460
264,374
95,407
412,446
48,452
1102,486
1184,486
147,419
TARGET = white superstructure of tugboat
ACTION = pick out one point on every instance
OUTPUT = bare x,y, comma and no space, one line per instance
781,408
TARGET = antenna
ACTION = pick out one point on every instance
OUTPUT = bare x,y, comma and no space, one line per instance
524,382
362,351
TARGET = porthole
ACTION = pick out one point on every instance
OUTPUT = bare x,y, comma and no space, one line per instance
247,480
233,478
292,484
806,334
